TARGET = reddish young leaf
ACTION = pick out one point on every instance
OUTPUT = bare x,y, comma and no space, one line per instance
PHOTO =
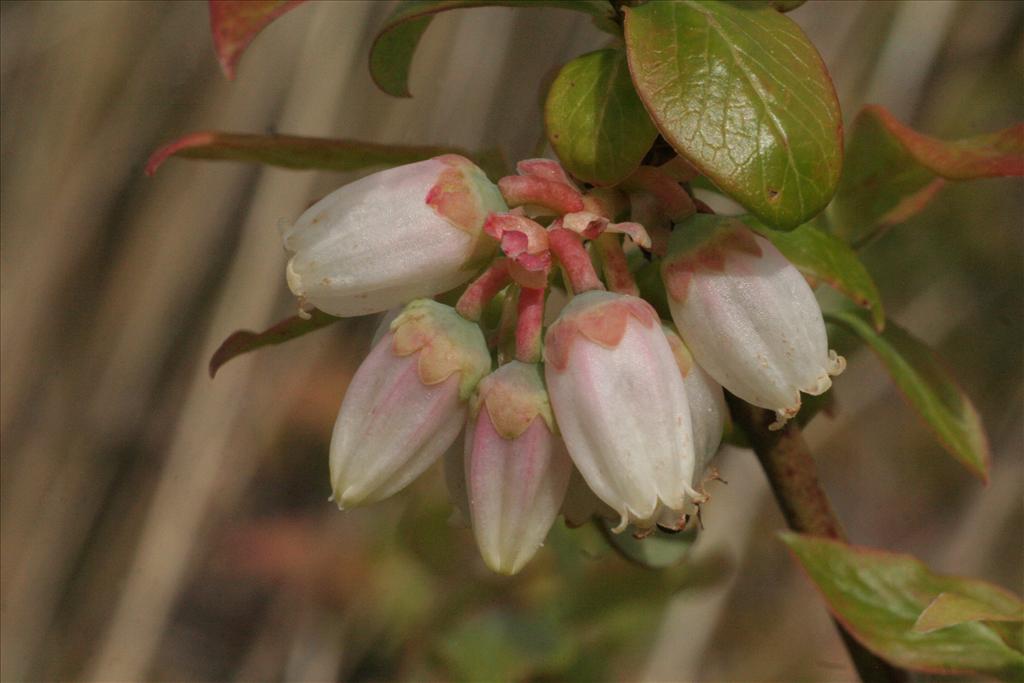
235,23
880,596
292,151
245,341
892,171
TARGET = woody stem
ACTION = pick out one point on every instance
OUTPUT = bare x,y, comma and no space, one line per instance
793,477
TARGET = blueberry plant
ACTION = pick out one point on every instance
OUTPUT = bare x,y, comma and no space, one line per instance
574,336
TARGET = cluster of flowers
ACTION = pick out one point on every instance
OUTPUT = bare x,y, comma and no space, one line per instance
610,390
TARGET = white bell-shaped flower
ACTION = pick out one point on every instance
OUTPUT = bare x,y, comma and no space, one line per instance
707,404
517,469
621,406
406,403
747,314
407,232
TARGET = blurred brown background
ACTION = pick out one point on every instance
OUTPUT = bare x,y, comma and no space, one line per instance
160,525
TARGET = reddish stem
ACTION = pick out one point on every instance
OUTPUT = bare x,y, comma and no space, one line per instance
674,200
614,266
568,248
529,325
483,289
519,190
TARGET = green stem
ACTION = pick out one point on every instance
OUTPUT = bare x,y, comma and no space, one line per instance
793,477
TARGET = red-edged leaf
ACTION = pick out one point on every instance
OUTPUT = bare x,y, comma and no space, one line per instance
928,386
291,151
235,23
880,596
245,341
393,48
739,91
950,609
892,171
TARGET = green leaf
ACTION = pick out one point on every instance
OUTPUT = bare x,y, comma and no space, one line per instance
292,151
880,595
659,550
824,257
505,646
595,121
739,91
245,341
892,171
395,44
234,23
928,387
950,609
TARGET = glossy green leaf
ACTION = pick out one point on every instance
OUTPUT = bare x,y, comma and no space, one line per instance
292,151
234,24
950,609
393,48
659,550
245,341
826,258
595,121
739,91
892,171
928,387
880,595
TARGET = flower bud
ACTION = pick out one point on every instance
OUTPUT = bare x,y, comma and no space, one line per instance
517,469
407,402
747,314
621,405
707,404
407,232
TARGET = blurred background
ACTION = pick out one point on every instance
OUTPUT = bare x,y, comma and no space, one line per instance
159,525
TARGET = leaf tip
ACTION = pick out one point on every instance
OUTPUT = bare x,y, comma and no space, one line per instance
157,158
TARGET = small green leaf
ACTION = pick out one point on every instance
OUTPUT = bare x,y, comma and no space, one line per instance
659,550
739,91
824,257
928,387
595,121
245,341
892,171
393,48
292,151
505,646
950,609
234,23
880,595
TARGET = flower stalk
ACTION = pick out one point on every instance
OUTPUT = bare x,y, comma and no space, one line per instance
530,325
567,246
476,297
614,266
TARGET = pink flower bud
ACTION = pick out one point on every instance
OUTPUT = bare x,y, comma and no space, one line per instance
517,469
747,314
621,405
406,403
407,232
